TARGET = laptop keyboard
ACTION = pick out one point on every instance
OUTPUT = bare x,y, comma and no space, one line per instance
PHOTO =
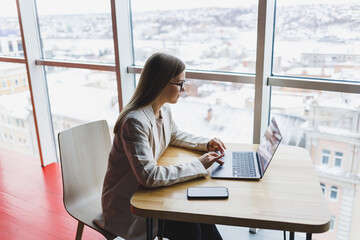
243,164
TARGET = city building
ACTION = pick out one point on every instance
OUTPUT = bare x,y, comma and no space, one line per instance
13,78
11,45
333,140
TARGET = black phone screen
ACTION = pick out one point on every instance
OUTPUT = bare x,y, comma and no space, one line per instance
207,192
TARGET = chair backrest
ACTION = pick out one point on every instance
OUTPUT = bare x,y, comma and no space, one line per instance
84,152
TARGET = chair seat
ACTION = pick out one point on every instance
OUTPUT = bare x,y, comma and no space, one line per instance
86,210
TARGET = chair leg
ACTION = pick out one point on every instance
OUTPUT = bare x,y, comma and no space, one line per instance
79,231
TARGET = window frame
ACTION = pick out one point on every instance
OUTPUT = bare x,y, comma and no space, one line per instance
336,190
332,223
323,188
32,49
336,157
328,155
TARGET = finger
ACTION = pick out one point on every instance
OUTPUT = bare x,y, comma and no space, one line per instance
213,145
217,158
219,154
219,145
213,142
214,154
219,161
222,144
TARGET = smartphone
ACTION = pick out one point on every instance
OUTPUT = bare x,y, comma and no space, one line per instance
207,193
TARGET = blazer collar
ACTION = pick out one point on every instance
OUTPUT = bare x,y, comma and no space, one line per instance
149,113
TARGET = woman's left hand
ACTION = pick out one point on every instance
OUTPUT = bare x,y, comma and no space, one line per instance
216,144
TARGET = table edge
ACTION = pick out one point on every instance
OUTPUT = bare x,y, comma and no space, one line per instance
241,222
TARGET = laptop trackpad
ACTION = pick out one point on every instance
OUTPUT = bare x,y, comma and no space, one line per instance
224,170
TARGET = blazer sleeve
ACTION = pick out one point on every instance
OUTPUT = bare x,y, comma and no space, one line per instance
183,139
135,138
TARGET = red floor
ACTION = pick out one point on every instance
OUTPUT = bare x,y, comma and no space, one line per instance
31,204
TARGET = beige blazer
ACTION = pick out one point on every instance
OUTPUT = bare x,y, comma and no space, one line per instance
132,163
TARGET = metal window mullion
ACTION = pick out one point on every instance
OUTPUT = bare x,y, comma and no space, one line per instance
37,81
12,59
124,55
73,64
209,75
277,81
265,32
315,84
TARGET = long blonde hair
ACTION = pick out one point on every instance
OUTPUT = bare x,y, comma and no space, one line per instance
158,70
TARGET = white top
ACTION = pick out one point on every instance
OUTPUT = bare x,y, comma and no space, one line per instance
161,136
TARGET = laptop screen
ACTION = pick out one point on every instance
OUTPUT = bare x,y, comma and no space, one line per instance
268,145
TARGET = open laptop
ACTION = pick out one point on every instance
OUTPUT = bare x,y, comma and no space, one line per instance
250,165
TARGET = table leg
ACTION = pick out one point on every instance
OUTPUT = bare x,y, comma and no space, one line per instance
308,236
292,235
161,229
149,228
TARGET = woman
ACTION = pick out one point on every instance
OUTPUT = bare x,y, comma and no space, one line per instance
142,132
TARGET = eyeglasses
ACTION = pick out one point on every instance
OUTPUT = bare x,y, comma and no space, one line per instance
179,84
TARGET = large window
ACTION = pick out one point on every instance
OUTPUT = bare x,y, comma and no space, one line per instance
18,138
10,39
327,125
206,35
17,127
80,33
80,96
78,30
317,39
216,109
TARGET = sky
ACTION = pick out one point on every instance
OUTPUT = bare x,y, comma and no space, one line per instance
50,7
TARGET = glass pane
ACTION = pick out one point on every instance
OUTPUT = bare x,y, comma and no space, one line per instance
216,109
10,36
332,222
325,151
322,187
80,96
333,194
339,154
338,162
76,30
205,34
318,39
325,160
17,128
317,121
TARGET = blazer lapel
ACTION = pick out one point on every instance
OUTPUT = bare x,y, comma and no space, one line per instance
149,113
167,126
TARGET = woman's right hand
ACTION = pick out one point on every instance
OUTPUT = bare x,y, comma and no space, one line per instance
209,158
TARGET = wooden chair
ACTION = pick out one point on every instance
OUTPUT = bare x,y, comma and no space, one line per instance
84,154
